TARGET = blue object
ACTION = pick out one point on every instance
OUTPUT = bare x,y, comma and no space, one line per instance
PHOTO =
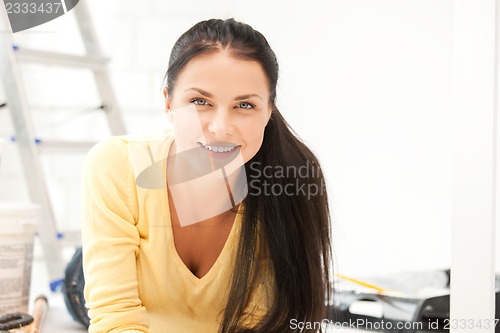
56,285
14,139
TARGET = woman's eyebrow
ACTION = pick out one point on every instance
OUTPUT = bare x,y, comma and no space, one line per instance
201,91
238,98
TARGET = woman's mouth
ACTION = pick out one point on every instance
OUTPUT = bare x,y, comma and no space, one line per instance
223,151
220,148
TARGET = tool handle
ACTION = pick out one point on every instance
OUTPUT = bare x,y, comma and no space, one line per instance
39,313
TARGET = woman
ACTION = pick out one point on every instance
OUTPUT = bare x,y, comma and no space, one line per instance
173,239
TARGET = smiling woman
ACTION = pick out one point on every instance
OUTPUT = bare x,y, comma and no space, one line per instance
173,241
231,96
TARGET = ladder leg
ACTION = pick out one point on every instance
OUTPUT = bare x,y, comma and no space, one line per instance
33,169
113,114
101,77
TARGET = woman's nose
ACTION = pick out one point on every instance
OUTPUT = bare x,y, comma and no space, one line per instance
220,125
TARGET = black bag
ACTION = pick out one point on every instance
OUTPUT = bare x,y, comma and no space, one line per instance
73,285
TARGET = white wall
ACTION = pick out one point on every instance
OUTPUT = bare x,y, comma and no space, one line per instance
367,84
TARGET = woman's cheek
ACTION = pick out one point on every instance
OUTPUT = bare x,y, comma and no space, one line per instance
253,147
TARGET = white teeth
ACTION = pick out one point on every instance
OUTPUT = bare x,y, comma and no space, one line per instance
218,149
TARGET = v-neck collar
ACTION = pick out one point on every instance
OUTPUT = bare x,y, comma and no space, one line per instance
223,256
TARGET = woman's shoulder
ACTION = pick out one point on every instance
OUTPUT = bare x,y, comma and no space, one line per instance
118,148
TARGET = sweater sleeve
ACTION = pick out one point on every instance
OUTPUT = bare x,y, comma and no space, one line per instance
110,240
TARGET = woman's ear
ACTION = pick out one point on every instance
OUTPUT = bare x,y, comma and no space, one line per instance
168,105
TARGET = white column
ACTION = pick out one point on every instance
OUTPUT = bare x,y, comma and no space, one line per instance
474,165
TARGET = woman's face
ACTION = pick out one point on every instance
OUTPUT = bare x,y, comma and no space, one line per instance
220,103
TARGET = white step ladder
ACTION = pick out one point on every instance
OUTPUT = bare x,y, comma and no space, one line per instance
29,146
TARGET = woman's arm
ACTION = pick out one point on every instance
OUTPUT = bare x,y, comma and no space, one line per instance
110,240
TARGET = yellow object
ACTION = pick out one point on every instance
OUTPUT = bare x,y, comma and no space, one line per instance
363,283
135,280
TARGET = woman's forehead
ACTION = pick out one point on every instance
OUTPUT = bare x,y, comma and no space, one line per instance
221,70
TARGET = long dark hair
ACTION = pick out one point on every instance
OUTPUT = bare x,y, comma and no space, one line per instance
288,220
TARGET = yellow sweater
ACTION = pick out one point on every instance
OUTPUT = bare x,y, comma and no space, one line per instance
135,280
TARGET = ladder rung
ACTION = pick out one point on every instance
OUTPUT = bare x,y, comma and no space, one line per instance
61,59
70,146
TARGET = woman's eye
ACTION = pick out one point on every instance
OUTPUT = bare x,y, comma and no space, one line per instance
199,101
246,105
